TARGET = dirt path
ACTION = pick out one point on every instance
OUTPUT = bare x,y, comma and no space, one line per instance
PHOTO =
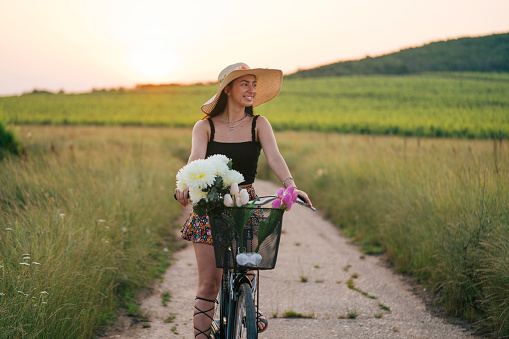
311,247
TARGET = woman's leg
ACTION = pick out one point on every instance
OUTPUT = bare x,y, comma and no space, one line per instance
209,282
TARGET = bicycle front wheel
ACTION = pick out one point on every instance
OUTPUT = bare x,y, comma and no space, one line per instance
245,315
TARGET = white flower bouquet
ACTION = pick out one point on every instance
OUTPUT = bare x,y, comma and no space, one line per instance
212,184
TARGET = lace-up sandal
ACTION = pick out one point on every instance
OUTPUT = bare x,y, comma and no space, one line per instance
204,312
261,321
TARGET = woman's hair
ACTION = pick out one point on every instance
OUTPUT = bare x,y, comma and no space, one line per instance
221,105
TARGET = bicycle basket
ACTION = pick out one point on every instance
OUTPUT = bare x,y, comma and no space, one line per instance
257,226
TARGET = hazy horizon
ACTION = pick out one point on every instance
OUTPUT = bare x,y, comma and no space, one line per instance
81,45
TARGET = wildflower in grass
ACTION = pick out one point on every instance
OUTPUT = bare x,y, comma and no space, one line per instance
24,263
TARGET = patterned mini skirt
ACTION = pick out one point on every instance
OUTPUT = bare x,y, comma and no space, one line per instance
197,229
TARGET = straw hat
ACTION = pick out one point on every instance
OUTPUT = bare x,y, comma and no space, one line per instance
268,83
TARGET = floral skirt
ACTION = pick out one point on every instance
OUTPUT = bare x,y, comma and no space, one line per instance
197,229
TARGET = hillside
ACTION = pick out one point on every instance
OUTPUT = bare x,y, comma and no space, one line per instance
479,54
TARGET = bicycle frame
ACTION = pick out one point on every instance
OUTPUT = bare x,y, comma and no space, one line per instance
232,280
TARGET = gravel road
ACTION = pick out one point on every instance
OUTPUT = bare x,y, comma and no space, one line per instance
312,248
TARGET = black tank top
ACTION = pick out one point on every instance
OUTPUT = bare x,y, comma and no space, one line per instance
244,155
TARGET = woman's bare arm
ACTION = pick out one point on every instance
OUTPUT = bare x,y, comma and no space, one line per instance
274,158
200,137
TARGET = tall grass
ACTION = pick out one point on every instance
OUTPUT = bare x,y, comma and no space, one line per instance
84,223
438,208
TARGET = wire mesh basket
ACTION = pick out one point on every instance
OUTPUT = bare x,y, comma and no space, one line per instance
260,230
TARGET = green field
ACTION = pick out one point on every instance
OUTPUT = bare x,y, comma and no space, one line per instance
466,105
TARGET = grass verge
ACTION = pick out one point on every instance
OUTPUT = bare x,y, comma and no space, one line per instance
84,222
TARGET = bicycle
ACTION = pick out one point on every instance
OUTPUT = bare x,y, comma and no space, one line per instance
242,259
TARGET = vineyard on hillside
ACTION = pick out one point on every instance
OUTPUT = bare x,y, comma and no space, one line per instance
465,105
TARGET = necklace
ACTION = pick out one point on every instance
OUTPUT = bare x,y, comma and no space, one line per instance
232,127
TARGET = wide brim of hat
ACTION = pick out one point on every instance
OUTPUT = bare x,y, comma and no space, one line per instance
268,86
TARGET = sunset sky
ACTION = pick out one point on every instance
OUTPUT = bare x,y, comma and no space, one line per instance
77,45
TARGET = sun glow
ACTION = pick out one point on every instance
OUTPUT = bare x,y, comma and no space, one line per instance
153,60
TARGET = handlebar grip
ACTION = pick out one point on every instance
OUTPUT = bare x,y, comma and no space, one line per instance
302,202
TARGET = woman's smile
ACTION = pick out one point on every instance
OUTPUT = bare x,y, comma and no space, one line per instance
243,90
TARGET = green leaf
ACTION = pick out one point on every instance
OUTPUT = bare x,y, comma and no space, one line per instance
241,218
266,227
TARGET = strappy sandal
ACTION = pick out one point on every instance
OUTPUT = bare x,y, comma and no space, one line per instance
200,332
259,319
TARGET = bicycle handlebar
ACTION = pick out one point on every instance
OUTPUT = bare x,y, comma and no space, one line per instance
271,198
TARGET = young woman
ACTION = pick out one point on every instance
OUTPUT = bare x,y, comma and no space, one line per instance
230,128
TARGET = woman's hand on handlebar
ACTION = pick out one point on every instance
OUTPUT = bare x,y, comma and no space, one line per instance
303,196
182,196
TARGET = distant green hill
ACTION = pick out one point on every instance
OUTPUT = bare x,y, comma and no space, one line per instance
480,54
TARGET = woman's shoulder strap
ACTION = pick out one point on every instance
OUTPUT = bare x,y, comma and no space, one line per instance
253,128
212,130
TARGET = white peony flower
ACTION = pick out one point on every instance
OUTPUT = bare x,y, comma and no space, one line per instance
196,194
223,158
218,166
181,184
198,174
232,176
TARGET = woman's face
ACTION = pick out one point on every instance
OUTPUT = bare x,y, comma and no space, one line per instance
243,90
